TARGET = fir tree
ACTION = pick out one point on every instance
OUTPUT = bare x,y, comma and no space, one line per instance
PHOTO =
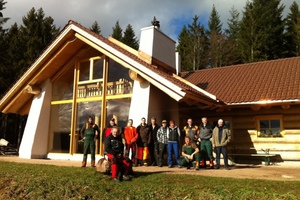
292,34
214,22
117,32
96,28
129,38
36,32
185,49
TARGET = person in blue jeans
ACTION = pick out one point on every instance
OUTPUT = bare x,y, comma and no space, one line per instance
173,135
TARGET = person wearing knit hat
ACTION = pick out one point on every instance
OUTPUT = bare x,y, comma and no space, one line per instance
220,138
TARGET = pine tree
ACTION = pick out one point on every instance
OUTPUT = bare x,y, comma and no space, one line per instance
247,37
199,44
96,28
117,32
129,38
36,32
292,34
2,19
217,40
232,33
214,22
261,35
3,47
185,49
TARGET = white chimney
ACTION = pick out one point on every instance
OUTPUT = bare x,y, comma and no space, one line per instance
157,46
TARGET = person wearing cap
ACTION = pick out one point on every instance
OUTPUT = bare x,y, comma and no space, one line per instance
143,141
162,139
89,133
130,135
206,145
191,130
220,139
190,153
153,146
173,135
114,149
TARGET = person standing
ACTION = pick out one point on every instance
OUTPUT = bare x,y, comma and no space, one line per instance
153,146
130,135
206,145
143,141
114,151
190,153
162,139
173,143
89,135
107,131
220,139
191,130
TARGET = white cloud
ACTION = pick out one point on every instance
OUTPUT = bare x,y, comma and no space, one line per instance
138,13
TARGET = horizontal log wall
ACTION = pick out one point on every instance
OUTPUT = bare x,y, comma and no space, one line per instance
244,130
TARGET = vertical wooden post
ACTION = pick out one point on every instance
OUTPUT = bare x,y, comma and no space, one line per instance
74,109
103,107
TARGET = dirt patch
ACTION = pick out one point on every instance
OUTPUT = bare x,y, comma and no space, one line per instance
272,172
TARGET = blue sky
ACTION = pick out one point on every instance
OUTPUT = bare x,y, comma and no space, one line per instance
172,14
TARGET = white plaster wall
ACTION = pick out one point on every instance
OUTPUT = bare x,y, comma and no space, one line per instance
162,106
139,102
35,138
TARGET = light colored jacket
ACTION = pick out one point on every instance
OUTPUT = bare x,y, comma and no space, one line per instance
225,137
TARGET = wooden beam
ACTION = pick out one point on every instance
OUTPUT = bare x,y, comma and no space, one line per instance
103,107
32,89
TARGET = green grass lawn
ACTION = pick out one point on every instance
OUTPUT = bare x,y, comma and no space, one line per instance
31,181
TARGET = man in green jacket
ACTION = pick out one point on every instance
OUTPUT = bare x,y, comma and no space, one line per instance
89,135
221,137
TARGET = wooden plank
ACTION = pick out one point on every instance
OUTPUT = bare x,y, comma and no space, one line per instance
259,155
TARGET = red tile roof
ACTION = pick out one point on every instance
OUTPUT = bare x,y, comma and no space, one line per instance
274,80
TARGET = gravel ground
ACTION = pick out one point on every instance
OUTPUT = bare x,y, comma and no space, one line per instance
289,172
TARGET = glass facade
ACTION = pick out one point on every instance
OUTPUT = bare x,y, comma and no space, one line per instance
84,110
60,128
88,102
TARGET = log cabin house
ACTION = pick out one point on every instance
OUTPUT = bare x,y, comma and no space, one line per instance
81,74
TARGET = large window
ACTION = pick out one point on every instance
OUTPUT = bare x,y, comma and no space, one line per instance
65,124
60,128
269,126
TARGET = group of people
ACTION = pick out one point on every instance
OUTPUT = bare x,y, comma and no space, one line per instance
147,144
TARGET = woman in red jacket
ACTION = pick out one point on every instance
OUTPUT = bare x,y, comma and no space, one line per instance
130,135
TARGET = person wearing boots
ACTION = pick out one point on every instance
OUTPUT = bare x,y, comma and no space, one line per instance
190,153
89,135
173,135
220,139
191,130
205,143
130,135
153,146
162,139
114,151
143,141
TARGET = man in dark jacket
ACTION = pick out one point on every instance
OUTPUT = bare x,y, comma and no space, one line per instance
89,135
143,141
173,134
153,146
114,149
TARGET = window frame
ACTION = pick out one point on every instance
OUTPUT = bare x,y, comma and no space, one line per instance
269,118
